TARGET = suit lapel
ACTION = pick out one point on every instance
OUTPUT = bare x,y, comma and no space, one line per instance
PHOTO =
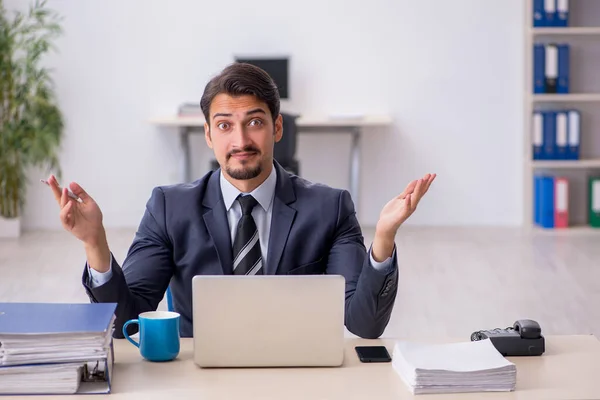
216,222
281,220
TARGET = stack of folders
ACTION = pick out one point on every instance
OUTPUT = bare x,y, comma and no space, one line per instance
550,13
56,348
453,368
551,201
556,134
551,68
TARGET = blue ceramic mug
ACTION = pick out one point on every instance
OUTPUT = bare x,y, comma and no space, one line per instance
159,335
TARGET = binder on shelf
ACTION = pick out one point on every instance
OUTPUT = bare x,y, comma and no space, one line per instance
562,13
594,201
550,12
561,148
563,68
537,189
539,68
79,360
546,202
538,135
574,135
539,14
549,128
561,202
551,68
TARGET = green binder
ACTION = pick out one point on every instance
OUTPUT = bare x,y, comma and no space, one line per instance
594,200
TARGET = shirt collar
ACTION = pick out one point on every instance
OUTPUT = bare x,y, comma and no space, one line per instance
263,194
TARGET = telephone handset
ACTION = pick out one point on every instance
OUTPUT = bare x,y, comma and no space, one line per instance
524,338
528,329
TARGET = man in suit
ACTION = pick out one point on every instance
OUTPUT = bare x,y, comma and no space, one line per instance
248,217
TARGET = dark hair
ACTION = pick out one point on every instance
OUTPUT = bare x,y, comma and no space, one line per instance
241,79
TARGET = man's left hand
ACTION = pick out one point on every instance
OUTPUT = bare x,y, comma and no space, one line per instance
395,212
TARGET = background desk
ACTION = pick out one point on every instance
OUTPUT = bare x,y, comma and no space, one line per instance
569,369
354,126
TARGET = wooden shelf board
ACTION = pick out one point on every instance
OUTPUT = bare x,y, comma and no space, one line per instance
566,164
568,97
566,31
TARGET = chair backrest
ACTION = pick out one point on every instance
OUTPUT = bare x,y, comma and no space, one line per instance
169,300
285,150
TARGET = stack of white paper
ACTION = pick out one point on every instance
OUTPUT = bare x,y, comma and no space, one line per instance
55,348
41,379
453,368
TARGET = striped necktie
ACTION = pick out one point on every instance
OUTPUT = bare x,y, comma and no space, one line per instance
246,246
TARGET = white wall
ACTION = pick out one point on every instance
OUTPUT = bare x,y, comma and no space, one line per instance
450,73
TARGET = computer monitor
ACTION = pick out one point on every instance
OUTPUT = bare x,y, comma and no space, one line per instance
277,68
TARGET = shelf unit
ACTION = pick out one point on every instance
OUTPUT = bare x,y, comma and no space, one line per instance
589,162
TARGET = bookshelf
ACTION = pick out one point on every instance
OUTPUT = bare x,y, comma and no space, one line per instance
583,37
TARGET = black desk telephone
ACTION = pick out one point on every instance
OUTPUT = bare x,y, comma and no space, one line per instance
524,338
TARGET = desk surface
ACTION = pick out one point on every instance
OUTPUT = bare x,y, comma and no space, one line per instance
569,369
305,121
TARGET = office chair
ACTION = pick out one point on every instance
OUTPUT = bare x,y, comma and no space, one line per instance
284,151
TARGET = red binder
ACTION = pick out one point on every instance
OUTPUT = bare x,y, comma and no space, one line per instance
561,203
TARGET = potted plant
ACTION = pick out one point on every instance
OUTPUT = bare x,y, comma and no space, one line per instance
31,124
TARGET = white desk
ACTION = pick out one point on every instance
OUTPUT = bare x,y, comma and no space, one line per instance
570,369
307,124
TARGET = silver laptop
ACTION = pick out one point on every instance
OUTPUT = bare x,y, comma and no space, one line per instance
268,320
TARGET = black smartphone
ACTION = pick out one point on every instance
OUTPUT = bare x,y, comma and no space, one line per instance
373,354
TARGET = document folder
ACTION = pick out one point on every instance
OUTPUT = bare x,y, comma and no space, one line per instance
561,202
538,135
562,13
56,348
574,134
561,149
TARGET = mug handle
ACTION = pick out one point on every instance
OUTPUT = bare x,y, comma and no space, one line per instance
131,321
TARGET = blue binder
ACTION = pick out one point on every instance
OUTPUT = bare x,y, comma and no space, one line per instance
551,68
537,134
37,318
562,13
549,152
539,15
546,202
537,180
562,135
550,12
573,134
539,68
563,68
29,321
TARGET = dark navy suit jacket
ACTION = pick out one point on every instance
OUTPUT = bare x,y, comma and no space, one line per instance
184,232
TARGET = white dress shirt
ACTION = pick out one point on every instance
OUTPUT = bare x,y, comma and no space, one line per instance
262,214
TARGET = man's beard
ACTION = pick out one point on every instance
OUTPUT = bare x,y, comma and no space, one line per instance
246,172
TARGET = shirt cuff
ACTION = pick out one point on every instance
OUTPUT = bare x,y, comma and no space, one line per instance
385,265
99,278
